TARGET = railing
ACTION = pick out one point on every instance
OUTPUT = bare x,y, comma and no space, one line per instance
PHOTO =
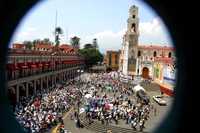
28,72
42,75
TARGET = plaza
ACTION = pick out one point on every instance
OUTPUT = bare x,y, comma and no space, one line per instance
155,118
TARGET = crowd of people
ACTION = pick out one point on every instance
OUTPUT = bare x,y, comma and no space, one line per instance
41,112
110,101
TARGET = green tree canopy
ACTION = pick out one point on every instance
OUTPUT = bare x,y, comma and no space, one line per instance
88,45
47,41
75,41
92,56
29,44
58,32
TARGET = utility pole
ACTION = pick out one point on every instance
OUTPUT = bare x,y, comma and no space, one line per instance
55,25
56,20
66,35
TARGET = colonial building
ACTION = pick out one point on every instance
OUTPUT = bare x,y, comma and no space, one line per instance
111,59
30,70
157,63
148,55
150,61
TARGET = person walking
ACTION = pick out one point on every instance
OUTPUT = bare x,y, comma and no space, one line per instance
155,111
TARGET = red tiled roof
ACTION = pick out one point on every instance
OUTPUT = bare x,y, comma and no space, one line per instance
155,47
47,46
67,48
18,45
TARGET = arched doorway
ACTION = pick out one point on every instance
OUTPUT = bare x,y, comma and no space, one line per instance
145,72
154,54
169,55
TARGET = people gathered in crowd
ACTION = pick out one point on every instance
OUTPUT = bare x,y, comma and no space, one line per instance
41,112
108,100
112,100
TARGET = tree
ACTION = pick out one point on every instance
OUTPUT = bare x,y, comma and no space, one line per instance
92,56
58,32
46,41
75,41
29,44
94,43
88,45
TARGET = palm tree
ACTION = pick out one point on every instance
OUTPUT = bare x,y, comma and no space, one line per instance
75,42
58,32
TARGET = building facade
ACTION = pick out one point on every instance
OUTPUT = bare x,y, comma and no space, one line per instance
111,60
154,62
147,56
28,71
128,58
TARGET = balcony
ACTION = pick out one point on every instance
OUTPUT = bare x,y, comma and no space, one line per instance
28,71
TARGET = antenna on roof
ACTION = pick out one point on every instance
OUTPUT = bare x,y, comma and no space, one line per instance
66,35
55,26
56,20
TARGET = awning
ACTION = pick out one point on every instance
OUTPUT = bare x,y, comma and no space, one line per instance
33,66
58,62
12,67
40,65
24,67
66,62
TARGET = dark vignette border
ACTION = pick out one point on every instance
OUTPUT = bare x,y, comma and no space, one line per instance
177,121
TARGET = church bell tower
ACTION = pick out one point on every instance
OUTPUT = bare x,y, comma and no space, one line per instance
132,35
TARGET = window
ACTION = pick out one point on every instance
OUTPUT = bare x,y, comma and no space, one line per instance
169,55
139,53
133,16
133,27
116,59
154,54
110,59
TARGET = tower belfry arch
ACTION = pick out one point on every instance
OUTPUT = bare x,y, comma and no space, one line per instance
130,42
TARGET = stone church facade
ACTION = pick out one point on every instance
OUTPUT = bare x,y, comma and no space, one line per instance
138,59
128,56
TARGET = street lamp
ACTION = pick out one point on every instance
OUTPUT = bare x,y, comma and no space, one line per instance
79,74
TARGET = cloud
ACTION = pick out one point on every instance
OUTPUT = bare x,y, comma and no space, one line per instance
151,32
28,34
107,40
154,32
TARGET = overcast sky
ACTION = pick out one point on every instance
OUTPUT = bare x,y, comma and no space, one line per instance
105,20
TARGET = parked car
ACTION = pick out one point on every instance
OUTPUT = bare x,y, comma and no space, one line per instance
159,100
